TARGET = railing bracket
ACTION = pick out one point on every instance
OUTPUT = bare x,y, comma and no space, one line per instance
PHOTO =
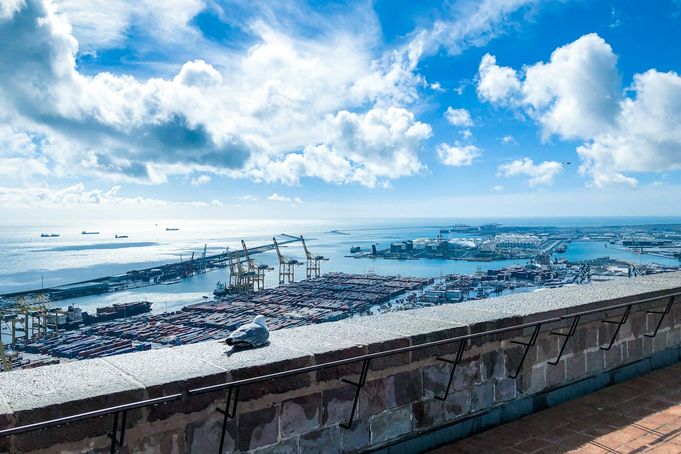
528,345
116,439
229,412
619,324
663,313
454,363
358,385
568,335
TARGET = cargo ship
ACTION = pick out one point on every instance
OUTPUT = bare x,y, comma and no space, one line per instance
122,310
121,236
72,318
171,229
89,233
49,235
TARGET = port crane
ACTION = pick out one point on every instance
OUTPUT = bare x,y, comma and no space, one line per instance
286,265
258,269
313,261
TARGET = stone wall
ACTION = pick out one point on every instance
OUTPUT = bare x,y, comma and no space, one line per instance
302,413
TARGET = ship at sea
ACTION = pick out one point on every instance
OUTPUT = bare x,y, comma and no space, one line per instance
116,311
89,233
49,235
121,236
171,229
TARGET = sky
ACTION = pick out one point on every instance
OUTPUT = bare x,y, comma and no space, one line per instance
323,109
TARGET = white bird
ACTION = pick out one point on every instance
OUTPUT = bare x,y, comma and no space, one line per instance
254,334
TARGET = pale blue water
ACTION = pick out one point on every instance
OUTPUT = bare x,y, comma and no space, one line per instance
28,261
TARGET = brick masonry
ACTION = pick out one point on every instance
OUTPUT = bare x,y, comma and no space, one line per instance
399,399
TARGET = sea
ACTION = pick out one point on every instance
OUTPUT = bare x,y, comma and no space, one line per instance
28,261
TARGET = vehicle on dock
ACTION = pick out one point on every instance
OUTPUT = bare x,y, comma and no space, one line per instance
122,310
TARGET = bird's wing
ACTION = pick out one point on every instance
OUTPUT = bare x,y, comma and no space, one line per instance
250,334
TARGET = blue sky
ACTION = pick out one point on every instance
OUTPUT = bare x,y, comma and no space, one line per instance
340,109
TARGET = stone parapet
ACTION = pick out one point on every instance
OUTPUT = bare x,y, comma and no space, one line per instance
303,413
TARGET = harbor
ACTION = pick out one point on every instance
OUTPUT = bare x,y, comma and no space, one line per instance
293,285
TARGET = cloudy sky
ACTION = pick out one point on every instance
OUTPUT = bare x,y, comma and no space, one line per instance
325,109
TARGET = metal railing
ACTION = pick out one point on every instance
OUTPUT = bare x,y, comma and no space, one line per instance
117,434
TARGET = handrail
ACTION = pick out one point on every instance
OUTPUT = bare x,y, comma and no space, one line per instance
261,378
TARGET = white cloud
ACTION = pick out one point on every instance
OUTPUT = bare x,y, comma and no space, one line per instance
458,117
577,95
281,198
541,173
75,195
326,105
285,93
467,134
379,145
509,140
496,83
498,188
201,179
470,24
457,155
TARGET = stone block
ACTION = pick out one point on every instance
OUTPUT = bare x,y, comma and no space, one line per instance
546,348
288,446
323,348
613,357
300,415
434,380
257,428
322,441
248,363
337,404
390,424
482,396
357,437
575,366
204,436
418,329
634,350
555,375
537,376
458,404
403,388
586,337
372,398
493,365
660,340
427,413
505,389
595,361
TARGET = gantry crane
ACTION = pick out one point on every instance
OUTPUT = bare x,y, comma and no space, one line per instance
313,261
286,265
239,280
258,269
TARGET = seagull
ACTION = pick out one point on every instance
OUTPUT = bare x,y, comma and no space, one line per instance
254,334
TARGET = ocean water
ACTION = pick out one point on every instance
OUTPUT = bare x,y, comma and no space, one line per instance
28,261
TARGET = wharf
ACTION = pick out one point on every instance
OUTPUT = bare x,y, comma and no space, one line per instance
327,298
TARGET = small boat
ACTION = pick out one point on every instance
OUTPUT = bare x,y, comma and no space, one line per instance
89,233
171,229
49,235
121,236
